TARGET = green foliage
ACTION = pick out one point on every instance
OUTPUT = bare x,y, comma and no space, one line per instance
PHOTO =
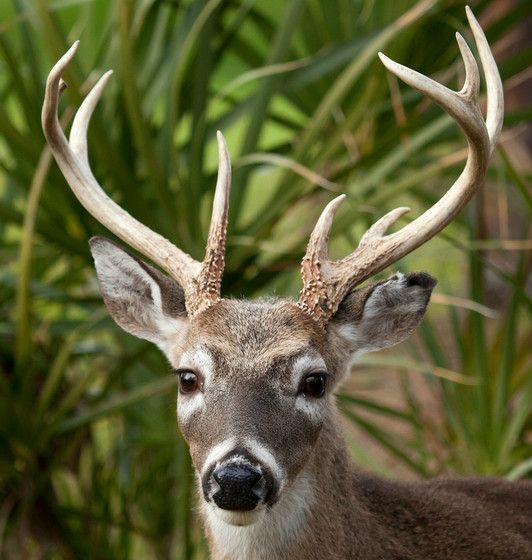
91,464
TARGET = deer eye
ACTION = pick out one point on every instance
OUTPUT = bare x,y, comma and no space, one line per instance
314,384
188,381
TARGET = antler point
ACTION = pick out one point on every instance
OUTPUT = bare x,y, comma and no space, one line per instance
473,22
384,59
332,207
72,50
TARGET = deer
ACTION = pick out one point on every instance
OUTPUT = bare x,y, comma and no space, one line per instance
257,379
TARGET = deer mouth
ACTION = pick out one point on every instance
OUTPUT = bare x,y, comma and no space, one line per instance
237,518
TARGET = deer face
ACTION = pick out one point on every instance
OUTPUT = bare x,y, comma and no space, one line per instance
257,379
256,387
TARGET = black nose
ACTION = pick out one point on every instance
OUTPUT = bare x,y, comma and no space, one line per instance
241,486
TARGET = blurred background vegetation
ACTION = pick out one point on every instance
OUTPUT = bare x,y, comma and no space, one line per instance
91,461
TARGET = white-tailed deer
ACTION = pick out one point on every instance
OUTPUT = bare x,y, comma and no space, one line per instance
257,379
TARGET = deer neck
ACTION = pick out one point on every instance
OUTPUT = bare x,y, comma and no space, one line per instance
313,518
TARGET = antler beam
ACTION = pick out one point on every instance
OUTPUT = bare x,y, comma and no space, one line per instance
201,282
327,282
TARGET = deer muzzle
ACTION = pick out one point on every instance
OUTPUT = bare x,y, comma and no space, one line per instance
238,482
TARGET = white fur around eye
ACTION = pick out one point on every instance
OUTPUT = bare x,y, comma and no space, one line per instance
198,360
305,364
313,408
188,405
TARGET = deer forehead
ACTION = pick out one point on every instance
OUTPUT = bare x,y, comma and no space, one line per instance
276,367
248,338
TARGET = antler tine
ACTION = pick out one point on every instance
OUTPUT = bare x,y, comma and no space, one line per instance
319,238
54,87
80,124
326,283
471,87
210,278
459,105
314,295
379,228
495,95
200,281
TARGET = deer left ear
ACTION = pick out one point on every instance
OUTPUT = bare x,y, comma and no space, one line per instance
384,313
141,300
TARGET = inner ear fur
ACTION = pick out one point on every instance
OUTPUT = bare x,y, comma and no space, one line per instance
384,313
142,300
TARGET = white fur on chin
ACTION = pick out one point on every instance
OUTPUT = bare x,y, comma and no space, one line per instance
271,533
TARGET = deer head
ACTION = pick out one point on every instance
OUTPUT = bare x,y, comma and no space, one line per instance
257,379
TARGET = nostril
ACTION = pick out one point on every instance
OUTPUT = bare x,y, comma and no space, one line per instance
261,489
240,487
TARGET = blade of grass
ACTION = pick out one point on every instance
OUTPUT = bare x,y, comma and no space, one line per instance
385,440
426,369
373,406
141,131
349,76
117,403
23,335
516,178
278,52
60,362
189,198
507,359
521,470
519,417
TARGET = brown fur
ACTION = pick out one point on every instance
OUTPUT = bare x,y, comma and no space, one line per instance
361,516
253,347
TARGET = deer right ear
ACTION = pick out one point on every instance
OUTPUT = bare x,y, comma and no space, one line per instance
383,314
141,300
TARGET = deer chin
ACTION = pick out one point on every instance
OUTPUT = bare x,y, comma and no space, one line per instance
236,518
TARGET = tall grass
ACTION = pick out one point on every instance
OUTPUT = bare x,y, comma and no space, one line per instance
91,463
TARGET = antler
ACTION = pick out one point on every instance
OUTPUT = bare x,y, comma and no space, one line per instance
201,282
326,282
